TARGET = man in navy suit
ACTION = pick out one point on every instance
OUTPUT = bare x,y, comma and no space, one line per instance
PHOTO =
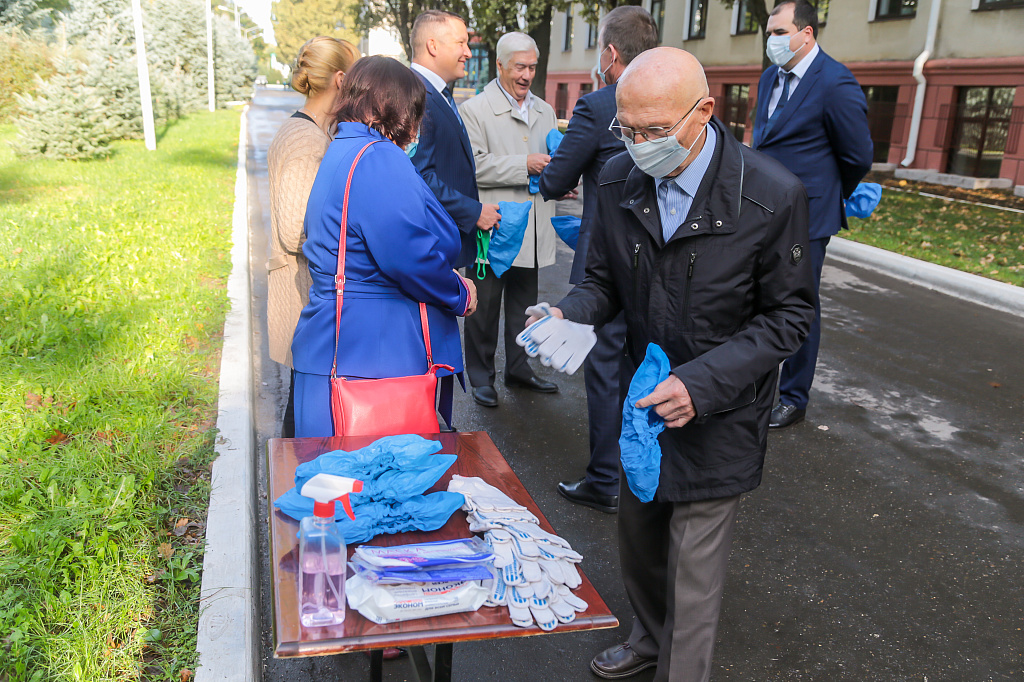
443,156
623,33
812,118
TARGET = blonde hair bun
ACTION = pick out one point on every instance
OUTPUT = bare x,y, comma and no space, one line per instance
317,62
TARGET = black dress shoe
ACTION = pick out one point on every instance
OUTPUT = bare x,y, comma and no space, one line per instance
486,396
582,492
620,661
785,415
534,383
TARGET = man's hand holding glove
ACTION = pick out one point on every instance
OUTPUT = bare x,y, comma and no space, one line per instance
558,342
537,569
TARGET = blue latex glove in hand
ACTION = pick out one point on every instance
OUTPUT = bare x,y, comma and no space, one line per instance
638,443
506,241
567,227
864,200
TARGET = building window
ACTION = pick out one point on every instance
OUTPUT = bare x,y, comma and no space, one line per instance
997,4
567,38
586,88
981,126
745,21
658,14
562,100
698,19
734,109
881,114
591,36
896,9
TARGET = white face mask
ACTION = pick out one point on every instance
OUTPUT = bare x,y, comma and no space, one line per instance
777,49
658,158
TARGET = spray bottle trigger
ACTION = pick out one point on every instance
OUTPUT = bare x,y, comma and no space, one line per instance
347,504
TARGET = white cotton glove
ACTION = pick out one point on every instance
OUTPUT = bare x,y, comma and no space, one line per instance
481,496
559,343
480,520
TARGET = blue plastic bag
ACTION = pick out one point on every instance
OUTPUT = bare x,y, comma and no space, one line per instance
864,200
641,451
506,241
552,141
568,228
395,471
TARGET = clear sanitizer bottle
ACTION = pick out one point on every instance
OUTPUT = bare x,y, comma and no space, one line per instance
322,551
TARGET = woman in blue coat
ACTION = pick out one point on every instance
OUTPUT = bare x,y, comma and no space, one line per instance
401,247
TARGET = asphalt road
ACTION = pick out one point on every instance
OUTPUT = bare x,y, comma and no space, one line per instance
885,542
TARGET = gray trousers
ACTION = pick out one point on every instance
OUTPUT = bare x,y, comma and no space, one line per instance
674,557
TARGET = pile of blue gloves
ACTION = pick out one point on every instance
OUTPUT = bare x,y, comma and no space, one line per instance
395,471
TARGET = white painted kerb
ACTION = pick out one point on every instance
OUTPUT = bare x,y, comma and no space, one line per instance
227,638
974,288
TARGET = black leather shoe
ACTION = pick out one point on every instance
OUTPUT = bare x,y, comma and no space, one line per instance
486,396
534,383
620,661
785,415
582,492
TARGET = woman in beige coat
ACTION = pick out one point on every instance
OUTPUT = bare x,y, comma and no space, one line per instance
292,161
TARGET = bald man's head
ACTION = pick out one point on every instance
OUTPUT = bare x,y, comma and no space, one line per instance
665,88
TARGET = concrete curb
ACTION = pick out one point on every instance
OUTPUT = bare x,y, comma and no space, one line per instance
228,635
998,295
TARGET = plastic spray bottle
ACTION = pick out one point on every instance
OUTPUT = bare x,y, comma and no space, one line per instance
322,551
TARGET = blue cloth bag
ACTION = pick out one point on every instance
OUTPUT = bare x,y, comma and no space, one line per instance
506,241
568,228
395,472
641,451
552,141
864,200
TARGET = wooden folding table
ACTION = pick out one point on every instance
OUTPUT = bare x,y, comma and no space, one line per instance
477,456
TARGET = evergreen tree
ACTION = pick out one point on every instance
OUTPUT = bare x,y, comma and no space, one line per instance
65,120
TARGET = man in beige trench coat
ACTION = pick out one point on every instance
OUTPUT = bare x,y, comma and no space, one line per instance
508,127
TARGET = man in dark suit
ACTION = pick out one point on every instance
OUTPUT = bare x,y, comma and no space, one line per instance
623,33
812,118
440,45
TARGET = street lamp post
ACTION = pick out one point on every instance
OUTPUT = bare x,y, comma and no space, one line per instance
209,57
148,128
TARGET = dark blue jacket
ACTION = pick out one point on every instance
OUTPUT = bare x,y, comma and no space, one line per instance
444,158
821,136
400,250
587,145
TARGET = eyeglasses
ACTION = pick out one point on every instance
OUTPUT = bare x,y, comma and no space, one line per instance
627,134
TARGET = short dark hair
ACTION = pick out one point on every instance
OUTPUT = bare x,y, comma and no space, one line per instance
429,18
630,29
804,14
385,95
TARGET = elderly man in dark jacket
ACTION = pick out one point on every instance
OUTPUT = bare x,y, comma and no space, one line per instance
700,243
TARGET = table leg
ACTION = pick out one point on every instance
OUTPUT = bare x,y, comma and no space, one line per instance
376,665
443,662
420,664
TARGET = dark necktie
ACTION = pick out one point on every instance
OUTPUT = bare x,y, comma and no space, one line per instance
786,78
451,101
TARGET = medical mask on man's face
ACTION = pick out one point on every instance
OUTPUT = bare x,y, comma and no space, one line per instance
600,73
777,49
658,158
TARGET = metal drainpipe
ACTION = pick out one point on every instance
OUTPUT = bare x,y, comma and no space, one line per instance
922,84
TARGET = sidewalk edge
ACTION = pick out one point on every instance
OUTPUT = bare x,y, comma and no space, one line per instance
227,638
965,286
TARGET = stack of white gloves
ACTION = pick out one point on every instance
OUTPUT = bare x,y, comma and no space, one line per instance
559,343
538,569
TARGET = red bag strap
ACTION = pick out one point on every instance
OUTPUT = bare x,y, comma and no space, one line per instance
339,277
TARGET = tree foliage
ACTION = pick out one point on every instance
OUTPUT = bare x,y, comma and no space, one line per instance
94,96
296,21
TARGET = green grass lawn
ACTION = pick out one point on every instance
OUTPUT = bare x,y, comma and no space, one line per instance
112,304
975,239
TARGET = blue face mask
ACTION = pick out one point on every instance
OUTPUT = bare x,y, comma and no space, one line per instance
658,158
600,73
777,49
413,146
